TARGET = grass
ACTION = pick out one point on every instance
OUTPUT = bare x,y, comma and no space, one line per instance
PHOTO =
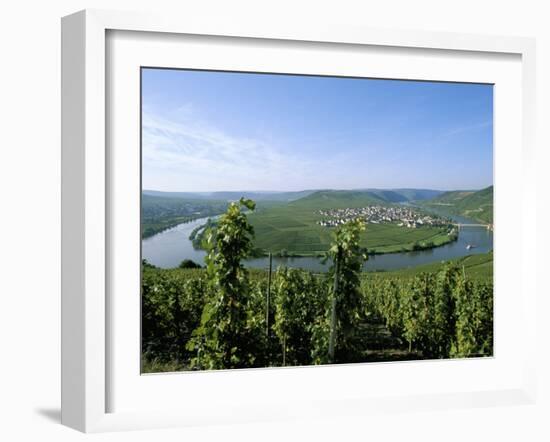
294,229
478,267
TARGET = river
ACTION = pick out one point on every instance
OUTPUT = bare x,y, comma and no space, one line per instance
167,249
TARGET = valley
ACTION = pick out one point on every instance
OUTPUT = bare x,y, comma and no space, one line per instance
292,226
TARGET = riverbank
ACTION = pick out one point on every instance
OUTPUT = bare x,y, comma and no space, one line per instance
478,267
425,238
438,241
169,248
151,228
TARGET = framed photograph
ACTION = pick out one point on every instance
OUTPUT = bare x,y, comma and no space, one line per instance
263,223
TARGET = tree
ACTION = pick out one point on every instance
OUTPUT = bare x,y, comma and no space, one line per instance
147,265
227,334
189,264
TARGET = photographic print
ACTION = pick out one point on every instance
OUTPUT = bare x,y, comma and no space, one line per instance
297,220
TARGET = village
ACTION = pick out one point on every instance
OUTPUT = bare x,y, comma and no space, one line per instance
403,216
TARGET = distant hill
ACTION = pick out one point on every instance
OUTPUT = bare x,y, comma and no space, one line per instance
388,195
469,203
159,213
403,195
360,198
156,206
231,196
294,228
338,199
452,196
418,194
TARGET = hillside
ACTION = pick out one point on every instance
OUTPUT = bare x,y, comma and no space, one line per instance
337,199
163,210
294,228
472,204
231,196
389,195
289,220
157,206
402,195
452,196
159,213
479,267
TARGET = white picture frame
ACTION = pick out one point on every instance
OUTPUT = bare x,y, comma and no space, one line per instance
87,207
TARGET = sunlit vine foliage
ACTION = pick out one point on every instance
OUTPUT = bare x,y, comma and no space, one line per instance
215,317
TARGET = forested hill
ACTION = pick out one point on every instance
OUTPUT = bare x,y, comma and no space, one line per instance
387,195
337,199
403,195
469,203
230,195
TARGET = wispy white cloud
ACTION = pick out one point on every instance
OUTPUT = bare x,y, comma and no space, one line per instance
182,153
469,128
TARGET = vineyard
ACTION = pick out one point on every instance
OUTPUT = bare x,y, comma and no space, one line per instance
225,316
294,227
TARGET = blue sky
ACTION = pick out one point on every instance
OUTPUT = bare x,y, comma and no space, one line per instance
210,131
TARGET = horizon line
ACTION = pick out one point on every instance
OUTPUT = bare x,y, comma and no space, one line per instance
322,189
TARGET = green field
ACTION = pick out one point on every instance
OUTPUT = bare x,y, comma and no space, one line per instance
478,267
286,224
293,228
